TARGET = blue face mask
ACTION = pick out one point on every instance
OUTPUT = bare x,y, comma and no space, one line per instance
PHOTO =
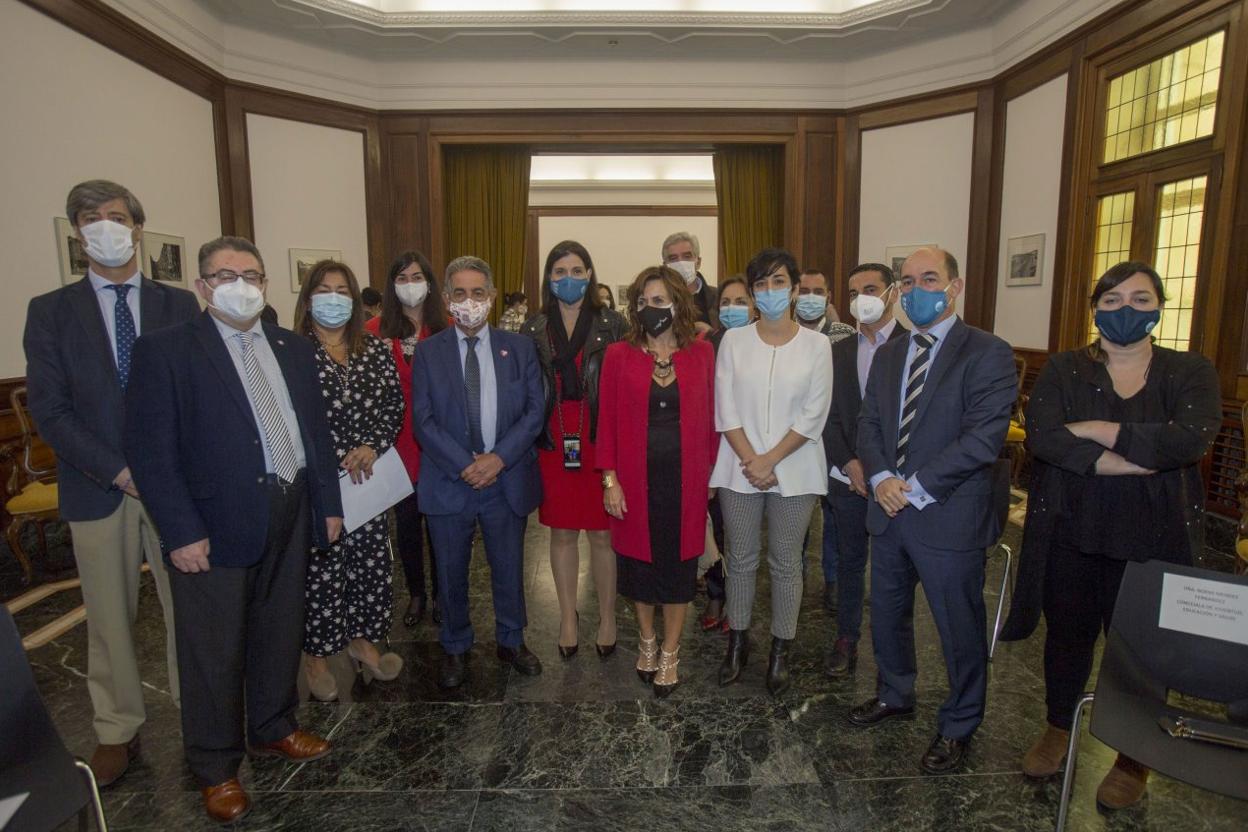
734,316
811,307
772,303
569,289
923,306
1126,324
331,309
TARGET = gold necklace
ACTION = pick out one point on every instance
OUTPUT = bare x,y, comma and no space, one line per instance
662,367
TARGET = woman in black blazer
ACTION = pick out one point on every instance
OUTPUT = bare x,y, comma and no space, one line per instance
1117,431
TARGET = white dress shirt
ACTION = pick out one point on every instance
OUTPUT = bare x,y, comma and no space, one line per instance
489,386
867,348
767,391
108,304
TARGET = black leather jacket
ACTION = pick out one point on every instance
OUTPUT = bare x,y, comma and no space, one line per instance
608,326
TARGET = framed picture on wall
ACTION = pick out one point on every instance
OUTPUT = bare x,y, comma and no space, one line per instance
895,256
164,258
69,252
303,259
1025,260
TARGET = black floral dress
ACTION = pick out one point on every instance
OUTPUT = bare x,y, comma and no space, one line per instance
349,592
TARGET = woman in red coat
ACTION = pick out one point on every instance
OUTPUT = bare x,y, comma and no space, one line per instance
656,445
412,309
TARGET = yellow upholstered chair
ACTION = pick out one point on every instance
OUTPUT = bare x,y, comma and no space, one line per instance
30,493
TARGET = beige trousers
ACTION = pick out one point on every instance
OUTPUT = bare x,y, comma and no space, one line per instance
110,553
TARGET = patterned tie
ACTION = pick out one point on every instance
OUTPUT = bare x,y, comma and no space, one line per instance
123,332
276,435
472,390
914,386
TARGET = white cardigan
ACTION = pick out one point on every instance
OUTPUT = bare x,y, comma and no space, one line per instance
768,391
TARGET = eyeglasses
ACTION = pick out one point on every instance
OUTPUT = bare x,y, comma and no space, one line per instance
227,276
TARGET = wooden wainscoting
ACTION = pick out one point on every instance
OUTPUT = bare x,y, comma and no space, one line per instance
11,431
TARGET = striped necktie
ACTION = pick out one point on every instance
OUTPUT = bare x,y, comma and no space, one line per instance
914,386
472,391
276,434
124,332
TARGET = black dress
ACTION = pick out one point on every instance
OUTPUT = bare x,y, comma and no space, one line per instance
666,579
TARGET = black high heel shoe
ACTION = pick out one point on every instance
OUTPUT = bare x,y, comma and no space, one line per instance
566,653
648,659
415,611
606,650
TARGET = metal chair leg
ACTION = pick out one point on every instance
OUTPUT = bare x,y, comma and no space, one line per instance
1005,580
96,803
1072,750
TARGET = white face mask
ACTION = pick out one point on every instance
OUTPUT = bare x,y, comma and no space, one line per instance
687,269
412,294
867,309
109,243
239,301
470,313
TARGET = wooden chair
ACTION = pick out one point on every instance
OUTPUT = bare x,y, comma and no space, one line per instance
1017,433
30,493
1241,486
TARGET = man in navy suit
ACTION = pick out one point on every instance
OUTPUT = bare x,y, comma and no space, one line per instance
477,409
227,436
79,341
933,422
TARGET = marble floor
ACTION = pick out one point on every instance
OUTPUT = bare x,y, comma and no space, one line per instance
585,746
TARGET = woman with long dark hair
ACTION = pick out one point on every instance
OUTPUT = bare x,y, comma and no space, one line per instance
572,332
412,309
349,596
1116,431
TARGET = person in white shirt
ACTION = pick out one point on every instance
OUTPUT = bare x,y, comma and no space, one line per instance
773,388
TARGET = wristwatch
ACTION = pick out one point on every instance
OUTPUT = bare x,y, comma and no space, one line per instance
608,481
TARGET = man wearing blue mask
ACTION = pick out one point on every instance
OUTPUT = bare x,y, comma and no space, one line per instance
814,307
932,424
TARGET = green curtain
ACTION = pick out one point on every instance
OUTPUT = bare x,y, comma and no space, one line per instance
487,201
749,188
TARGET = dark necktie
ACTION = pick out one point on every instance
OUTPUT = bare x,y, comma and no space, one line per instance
914,386
124,332
472,391
276,434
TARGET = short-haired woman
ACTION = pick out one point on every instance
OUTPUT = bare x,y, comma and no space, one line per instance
773,388
349,594
412,309
572,333
1116,431
656,444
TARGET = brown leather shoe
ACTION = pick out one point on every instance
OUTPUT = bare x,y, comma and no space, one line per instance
226,802
1044,759
109,762
300,747
1124,785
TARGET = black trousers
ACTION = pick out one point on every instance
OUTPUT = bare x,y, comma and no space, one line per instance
716,585
240,633
850,511
413,533
1079,596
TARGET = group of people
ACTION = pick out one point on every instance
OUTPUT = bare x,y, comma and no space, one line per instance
212,445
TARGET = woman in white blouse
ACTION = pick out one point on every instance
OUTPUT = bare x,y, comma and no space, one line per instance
773,388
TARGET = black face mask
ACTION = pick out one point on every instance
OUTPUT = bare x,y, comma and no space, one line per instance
655,320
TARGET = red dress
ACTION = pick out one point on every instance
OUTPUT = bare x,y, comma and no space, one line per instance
571,499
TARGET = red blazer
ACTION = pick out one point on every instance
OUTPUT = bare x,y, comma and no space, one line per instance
409,451
623,426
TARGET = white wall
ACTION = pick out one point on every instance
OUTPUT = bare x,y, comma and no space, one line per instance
1029,202
307,191
623,246
74,110
916,187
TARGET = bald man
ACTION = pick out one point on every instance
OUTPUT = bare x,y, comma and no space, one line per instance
932,424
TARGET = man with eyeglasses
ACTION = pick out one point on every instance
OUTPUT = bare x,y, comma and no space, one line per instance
79,341
227,434
477,409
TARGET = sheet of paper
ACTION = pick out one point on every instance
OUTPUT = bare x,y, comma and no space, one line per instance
9,807
363,501
1201,607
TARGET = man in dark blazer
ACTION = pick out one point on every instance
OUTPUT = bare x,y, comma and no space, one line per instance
871,298
682,252
477,410
933,422
227,436
79,342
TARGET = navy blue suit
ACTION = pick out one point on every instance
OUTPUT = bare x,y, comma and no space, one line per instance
452,507
958,432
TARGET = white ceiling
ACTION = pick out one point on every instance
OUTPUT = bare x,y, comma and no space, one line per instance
622,168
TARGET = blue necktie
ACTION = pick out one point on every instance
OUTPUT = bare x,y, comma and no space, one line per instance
124,332
472,390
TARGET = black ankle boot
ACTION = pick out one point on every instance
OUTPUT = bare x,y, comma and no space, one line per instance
734,660
778,666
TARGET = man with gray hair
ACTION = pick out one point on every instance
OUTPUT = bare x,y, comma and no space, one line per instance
79,341
477,408
682,252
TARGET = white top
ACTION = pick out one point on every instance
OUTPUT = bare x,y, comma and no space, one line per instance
768,391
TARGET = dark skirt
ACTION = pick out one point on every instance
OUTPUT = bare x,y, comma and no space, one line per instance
666,579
